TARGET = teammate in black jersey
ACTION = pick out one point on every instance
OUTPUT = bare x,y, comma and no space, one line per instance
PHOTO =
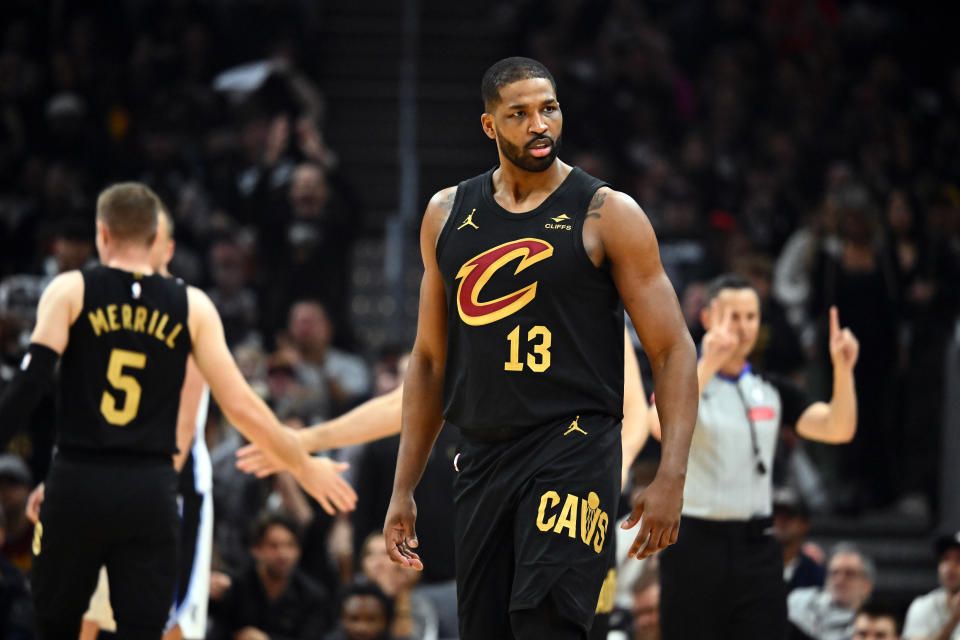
122,335
519,344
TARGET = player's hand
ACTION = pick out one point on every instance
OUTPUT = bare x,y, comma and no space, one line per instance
400,533
34,500
720,342
657,510
250,459
320,477
844,347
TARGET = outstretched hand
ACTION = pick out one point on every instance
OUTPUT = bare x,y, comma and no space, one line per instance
250,459
844,347
658,511
399,531
320,477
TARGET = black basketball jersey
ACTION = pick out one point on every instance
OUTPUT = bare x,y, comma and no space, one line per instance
535,330
122,370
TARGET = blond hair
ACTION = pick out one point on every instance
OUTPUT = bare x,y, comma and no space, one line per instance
129,210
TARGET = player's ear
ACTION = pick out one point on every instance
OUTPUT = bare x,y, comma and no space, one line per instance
486,121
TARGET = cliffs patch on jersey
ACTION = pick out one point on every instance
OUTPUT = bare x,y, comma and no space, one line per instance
477,271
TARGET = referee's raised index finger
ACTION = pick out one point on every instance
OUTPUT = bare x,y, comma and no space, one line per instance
834,322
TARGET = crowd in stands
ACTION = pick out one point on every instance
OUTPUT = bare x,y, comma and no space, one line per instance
807,145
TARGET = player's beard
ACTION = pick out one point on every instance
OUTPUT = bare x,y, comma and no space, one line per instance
522,158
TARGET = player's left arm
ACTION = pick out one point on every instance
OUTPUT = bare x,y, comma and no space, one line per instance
635,429
190,396
836,422
619,234
59,307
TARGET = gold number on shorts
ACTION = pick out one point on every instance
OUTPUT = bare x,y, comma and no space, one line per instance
120,358
539,359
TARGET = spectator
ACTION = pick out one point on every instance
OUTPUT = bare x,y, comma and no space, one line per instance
309,237
415,617
646,606
828,613
15,485
791,524
274,599
339,378
366,613
875,622
16,610
235,300
936,615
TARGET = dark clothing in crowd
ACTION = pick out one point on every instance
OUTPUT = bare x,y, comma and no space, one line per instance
304,610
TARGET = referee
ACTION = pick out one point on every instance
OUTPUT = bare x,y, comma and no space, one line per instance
723,579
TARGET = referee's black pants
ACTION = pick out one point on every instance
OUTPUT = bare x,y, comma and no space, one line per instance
723,580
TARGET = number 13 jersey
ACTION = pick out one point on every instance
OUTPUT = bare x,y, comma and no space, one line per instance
534,329
123,368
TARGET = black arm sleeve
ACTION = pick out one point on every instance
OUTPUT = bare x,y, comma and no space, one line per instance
23,394
793,399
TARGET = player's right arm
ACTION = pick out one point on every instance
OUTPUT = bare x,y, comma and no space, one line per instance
59,307
422,415
374,419
250,414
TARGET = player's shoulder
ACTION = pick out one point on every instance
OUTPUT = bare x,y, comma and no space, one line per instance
439,209
607,200
67,285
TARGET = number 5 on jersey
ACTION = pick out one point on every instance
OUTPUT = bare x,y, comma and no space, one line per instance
122,416
539,359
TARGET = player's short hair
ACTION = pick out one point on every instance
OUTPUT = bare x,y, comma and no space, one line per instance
129,210
368,589
874,609
726,281
275,519
507,71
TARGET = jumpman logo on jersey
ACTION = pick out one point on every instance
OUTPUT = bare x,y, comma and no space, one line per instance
469,222
575,426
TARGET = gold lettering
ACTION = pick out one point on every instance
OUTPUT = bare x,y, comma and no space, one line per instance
140,319
588,517
126,313
159,331
568,517
98,321
601,532
173,335
153,321
554,499
607,593
112,314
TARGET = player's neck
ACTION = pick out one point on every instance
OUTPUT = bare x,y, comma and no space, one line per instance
132,259
514,185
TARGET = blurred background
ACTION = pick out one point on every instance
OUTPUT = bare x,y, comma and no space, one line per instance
811,145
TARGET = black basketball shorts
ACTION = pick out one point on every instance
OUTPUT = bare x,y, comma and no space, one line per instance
122,515
534,518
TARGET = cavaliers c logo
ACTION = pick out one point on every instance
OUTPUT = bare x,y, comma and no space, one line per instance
476,272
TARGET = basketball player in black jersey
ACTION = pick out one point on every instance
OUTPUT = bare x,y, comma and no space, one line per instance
122,335
519,340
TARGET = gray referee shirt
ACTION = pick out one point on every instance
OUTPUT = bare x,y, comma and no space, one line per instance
723,480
